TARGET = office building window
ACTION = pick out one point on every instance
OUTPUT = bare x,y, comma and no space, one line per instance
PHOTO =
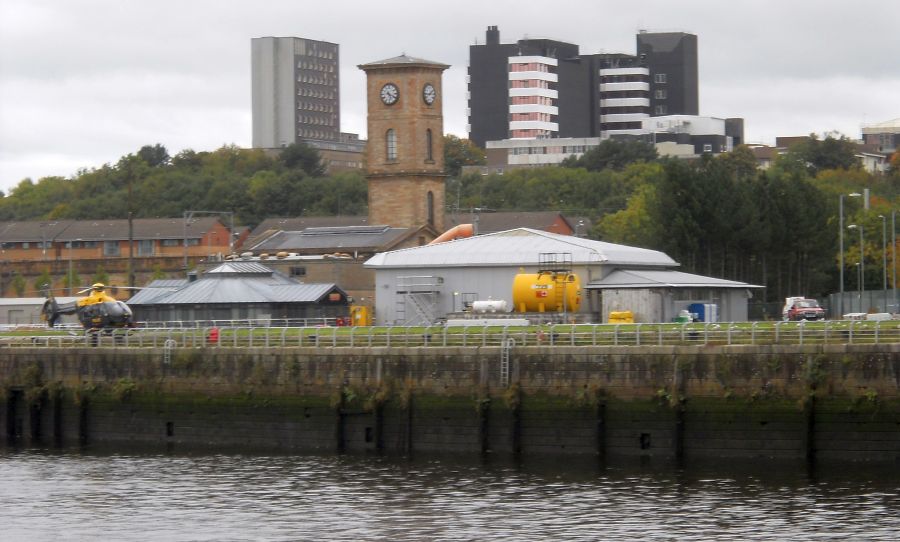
429,154
660,109
659,78
707,147
110,248
660,94
297,271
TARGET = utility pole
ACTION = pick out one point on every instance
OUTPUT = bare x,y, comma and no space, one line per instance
130,173
884,260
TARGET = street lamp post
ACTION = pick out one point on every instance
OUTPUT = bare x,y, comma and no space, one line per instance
894,257
859,288
883,261
841,248
862,263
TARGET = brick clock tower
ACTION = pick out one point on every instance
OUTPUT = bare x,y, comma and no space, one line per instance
405,151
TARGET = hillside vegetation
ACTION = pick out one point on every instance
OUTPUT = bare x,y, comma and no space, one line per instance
718,216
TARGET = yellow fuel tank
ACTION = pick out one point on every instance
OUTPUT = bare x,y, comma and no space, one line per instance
546,292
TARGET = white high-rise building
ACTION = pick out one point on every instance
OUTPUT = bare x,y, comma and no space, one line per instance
532,97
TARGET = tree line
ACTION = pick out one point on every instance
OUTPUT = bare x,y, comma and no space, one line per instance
716,215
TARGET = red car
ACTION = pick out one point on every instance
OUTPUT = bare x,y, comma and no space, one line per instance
801,308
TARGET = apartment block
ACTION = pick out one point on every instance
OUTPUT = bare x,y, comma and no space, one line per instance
295,91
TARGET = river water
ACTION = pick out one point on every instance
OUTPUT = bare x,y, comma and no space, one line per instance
78,495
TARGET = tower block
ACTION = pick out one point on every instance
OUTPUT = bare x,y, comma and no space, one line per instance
405,151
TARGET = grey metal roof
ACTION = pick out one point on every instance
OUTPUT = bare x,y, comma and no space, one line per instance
236,282
149,294
300,293
655,278
520,246
239,268
333,239
238,290
167,283
402,60
156,289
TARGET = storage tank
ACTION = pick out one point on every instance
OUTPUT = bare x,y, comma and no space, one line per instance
546,292
490,305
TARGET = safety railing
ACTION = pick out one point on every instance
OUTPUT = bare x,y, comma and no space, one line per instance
744,333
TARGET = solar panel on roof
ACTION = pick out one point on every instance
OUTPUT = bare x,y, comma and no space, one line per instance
345,230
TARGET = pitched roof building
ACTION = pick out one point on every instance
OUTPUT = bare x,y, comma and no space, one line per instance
239,291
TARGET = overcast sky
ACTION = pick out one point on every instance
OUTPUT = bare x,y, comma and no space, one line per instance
85,82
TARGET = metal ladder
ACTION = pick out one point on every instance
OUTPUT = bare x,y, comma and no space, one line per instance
505,348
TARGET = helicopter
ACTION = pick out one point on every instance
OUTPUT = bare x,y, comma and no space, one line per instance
97,311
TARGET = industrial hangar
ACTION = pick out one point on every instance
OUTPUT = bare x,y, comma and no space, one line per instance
425,284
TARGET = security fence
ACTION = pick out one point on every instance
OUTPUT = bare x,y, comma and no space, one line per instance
744,333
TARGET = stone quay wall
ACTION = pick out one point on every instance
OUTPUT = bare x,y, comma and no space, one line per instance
788,402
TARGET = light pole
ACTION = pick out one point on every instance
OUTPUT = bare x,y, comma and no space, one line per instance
70,268
71,244
894,256
43,227
862,262
841,248
188,219
884,261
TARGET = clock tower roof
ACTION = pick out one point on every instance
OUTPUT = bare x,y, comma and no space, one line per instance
402,61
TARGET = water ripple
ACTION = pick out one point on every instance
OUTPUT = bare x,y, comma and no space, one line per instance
71,496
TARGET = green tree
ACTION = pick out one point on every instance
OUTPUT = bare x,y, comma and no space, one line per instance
459,152
613,154
741,162
43,282
18,284
100,275
158,272
29,200
303,157
632,225
828,153
71,281
154,156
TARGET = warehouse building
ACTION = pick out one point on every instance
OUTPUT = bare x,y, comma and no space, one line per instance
425,284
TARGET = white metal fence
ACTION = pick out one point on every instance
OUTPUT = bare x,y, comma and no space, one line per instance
759,333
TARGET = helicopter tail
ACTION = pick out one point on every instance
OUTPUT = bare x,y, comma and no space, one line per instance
53,310
50,312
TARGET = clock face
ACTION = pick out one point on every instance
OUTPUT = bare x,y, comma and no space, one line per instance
429,93
390,93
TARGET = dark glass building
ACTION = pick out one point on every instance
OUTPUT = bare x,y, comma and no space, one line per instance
540,88
671,58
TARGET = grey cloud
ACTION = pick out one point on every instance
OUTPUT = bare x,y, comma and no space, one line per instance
85,82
